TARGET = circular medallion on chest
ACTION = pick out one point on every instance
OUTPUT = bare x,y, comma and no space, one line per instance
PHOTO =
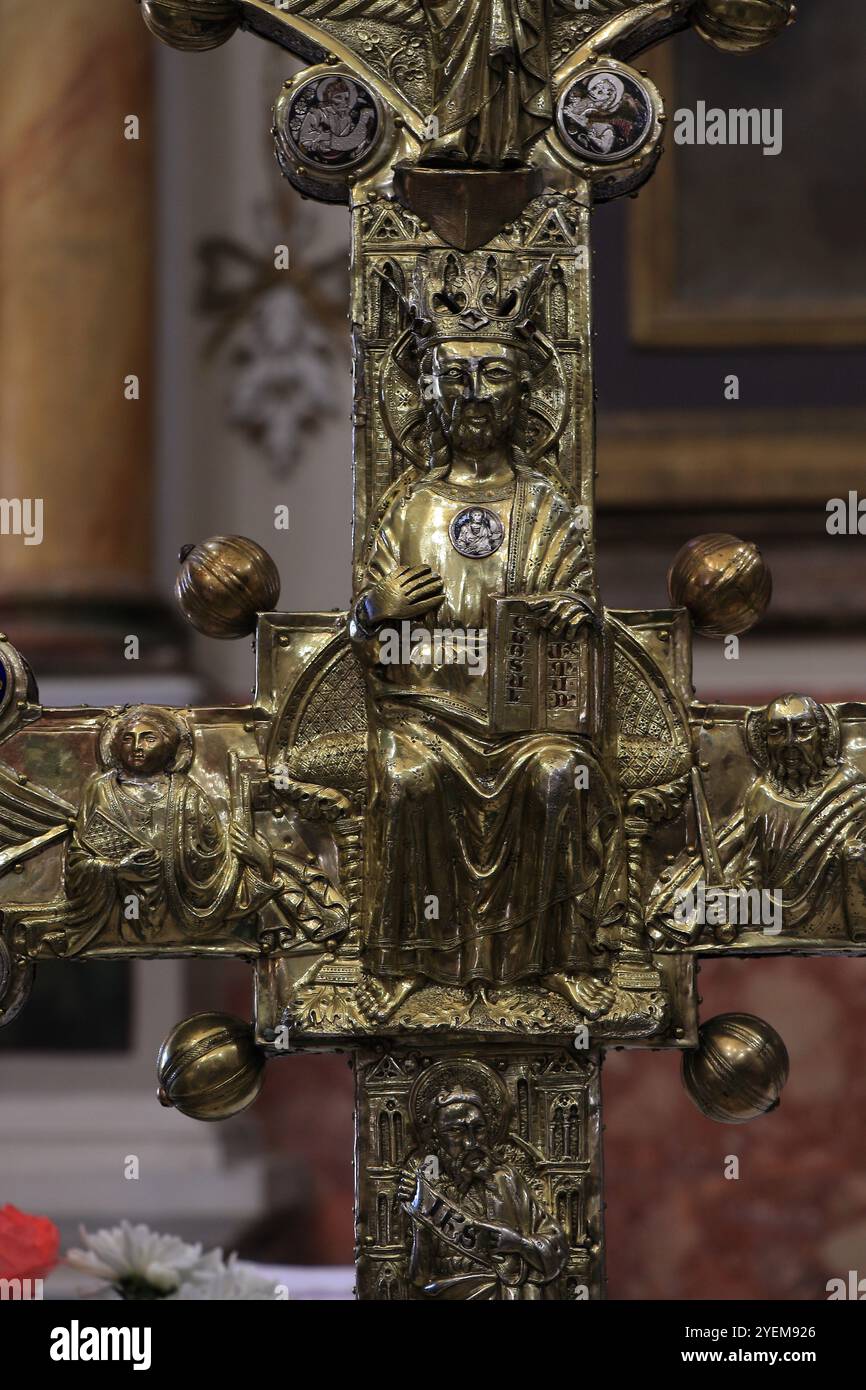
476,532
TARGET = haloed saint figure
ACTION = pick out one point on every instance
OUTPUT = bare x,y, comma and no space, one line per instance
491,859
478,1229
332,121
148,836
804,820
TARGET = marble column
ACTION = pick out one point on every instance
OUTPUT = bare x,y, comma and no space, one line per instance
76,264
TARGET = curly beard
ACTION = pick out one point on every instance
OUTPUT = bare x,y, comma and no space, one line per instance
476,427
463,1173
800,774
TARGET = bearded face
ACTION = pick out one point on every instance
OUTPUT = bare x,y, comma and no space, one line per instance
478,388
795,742
339,97
461,1138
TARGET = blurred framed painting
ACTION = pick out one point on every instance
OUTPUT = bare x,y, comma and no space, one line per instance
767,246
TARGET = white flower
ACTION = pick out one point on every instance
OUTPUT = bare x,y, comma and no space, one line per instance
230,1282
136,1254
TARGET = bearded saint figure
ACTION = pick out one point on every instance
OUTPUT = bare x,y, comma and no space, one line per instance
147,833
489,858
491,88
478,1232
805,820
331,130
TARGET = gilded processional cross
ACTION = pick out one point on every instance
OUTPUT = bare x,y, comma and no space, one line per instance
477,828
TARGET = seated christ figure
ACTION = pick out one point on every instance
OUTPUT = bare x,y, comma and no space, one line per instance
491,859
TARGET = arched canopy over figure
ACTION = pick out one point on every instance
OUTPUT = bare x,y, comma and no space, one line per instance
477,1229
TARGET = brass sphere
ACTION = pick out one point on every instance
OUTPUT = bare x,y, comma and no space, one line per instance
191,25
738,1069
209,1067
224,583
723,582
740,26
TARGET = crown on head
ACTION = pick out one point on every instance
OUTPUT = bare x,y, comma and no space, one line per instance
466,299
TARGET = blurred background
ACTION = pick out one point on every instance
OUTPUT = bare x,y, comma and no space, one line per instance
161,382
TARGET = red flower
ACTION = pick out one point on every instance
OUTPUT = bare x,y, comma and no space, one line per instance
29,1245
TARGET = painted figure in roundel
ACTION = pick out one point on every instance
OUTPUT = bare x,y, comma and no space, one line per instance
333,121
604,116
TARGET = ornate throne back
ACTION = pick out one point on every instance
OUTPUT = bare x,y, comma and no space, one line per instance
319,738
319,744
